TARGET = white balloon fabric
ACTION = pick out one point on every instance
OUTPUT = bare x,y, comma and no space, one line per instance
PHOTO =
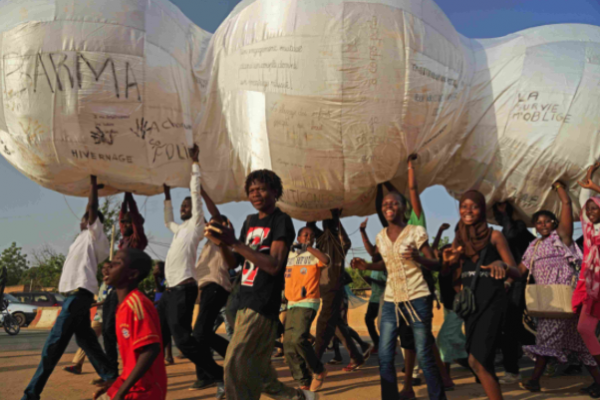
99,87
334,95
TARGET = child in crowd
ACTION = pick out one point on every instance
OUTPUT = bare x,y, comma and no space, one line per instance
139,336
302,277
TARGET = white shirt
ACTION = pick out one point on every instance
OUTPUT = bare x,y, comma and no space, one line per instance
212,267
405,279
89,249
181,257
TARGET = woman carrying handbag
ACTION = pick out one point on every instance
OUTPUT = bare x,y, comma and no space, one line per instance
551,260
480,260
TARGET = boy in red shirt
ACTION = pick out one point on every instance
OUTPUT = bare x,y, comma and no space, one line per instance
144,375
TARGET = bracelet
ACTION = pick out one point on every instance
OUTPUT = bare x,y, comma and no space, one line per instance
557,185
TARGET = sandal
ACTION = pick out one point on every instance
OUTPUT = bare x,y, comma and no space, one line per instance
73,369
532,386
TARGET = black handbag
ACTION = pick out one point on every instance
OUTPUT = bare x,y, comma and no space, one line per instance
464,302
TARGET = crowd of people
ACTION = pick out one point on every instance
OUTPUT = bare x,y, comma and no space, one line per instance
251,280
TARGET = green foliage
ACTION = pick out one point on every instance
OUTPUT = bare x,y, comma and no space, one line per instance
15,262
111,207
46,270
444,241
357,278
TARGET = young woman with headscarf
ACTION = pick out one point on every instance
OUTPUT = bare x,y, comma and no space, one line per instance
586,298
473,237
550,259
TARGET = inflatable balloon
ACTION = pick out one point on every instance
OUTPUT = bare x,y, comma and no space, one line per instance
334,95
97,87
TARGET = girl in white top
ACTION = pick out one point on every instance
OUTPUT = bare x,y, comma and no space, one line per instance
407,297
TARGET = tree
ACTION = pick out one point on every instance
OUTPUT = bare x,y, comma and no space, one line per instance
46,270
15,262
110,209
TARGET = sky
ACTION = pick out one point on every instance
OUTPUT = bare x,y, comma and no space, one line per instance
35,217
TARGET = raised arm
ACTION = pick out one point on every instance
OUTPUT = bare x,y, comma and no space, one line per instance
195,189
169,219
438,236
565,227
378,204
415,200
92,207
365,238
212,207
587,182
342,234
137,222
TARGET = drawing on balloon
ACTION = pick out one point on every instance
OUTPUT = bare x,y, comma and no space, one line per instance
100,137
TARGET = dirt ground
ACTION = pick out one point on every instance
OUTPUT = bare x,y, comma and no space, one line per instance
20,355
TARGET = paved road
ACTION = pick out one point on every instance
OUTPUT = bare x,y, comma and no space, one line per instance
28,340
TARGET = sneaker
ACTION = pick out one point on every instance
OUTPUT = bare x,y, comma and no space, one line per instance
73,369
308,395
353,366
509,379
375,351
220,390
317,382
334,361
203,384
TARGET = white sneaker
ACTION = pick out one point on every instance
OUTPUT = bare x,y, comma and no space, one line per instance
509,379
308,395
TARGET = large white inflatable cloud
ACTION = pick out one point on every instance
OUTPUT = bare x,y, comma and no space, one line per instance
99,87
333,95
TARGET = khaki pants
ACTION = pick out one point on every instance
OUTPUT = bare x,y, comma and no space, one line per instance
248,369
80,354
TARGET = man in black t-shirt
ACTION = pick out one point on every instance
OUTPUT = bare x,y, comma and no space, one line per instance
262,249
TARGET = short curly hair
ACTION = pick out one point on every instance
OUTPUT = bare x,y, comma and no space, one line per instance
551,216
267,177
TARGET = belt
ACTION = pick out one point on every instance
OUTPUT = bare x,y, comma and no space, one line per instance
78,291
183,285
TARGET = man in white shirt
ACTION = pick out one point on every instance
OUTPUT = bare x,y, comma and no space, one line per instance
78,282
182,289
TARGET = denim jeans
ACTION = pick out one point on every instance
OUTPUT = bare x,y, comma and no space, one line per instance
390,327
74,319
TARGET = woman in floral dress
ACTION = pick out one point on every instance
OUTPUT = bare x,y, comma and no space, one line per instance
550,259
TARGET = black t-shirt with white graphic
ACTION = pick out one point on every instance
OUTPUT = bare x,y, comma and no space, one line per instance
259,290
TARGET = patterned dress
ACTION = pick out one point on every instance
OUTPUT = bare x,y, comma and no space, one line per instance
556,338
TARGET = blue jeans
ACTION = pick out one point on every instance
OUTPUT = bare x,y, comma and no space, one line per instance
74,318
389,330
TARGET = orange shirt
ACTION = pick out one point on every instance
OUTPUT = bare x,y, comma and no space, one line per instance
302,276
138,326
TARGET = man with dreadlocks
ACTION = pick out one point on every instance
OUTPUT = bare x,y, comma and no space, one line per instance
262,248
335,243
